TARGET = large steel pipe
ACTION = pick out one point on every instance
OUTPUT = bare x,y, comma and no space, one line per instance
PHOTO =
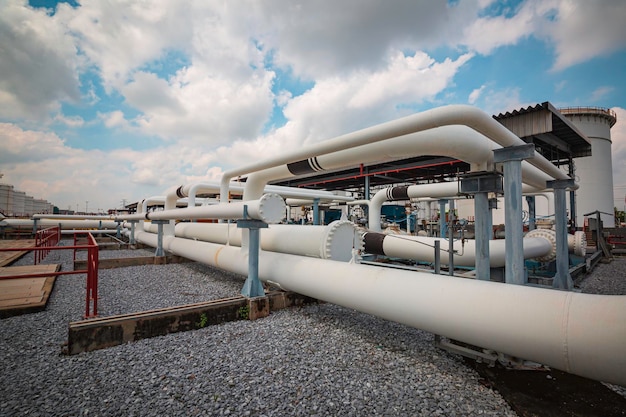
464,115
334,241
583,334
421,248
459,142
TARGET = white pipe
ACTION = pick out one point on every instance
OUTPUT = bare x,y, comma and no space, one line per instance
583,334
191,190
334,241
65,224
71,216
270,208
430,119
421,248
458,142
435,190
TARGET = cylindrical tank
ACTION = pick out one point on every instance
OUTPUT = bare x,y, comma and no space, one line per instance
594,173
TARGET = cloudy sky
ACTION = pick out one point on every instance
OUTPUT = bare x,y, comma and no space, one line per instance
105,101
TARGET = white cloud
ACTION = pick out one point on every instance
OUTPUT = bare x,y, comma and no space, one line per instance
38,63
475,94
600,93
583,29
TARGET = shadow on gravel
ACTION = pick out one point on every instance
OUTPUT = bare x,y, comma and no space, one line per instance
553,393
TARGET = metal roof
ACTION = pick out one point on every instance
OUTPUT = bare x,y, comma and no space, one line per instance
554,136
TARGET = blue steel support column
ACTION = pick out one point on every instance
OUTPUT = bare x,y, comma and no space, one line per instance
132,231
118,229
442,218
482,228
316,211
252,287
159,223
511,159
562,279
35,227
530,200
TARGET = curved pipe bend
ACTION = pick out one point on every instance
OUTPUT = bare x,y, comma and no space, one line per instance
465,115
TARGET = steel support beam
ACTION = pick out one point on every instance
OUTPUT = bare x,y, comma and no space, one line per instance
252,287
511,159
159,223
562,278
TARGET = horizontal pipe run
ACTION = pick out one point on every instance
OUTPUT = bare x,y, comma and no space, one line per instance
64,224
583,334
270,208
469,116
334,241
421,248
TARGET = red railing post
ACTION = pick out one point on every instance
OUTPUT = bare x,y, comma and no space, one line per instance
91,300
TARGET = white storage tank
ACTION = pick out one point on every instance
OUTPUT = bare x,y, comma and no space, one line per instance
594,173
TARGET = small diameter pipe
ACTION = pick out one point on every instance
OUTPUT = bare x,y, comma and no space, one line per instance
65,224
71,217
420,248
583,334
270,209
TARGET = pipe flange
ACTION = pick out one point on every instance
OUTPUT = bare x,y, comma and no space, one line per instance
578,243
271,208
550,236
341,237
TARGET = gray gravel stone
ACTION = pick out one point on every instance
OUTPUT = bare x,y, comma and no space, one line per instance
318,360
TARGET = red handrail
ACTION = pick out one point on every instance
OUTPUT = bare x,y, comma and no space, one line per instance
45,246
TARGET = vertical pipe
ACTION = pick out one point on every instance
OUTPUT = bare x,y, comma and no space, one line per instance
572,196
482,229
451,238
429,218
366,186
437,257
532,212
442,217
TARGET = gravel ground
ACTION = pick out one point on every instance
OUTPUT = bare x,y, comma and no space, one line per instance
318,360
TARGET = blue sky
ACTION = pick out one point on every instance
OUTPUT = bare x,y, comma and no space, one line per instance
119,100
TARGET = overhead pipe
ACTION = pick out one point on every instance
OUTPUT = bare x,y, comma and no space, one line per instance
578,333
459,142
468,116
